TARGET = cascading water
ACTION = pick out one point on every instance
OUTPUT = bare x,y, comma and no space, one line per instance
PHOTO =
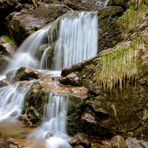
71,39
11,102
77,39
53,130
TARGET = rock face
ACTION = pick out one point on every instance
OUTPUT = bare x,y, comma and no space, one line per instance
7,49
109,30
35,101
84,5
117,80
122,3
22,24
6,7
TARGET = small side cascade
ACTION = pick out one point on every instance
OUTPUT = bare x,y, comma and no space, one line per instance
12,100
53,129
26,53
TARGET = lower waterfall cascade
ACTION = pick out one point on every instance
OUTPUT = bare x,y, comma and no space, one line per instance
70,39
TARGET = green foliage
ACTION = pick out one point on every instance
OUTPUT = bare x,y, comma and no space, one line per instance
7,39
132,17
119,65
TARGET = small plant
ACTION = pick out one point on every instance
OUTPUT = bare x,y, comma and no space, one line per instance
6,38
120,64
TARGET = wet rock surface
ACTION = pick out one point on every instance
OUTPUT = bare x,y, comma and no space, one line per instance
26,73
7,49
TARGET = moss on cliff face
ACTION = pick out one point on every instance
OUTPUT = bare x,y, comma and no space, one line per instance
119,64
135,15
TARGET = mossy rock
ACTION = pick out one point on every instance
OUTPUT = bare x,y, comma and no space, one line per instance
122,3
117,83
26,73
35,101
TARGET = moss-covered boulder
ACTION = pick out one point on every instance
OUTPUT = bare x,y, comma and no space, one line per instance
4,61
7,49
35,101
117,82
6,7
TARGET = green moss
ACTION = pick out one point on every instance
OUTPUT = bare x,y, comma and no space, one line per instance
119,65
132,17
7,39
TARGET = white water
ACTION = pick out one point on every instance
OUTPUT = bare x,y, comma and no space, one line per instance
77,39
25,55
11,101
53,130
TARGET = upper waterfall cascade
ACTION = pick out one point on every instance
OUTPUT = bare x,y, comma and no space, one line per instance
70,39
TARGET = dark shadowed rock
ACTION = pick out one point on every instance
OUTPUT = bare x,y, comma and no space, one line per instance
71,79
122,3
109,30
4,61
35,101
6,7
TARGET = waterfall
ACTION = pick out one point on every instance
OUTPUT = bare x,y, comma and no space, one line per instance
53,129
12,100
70,39
77,40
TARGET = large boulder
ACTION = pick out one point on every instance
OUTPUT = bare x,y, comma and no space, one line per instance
122,3
22,24
35,101
26,73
